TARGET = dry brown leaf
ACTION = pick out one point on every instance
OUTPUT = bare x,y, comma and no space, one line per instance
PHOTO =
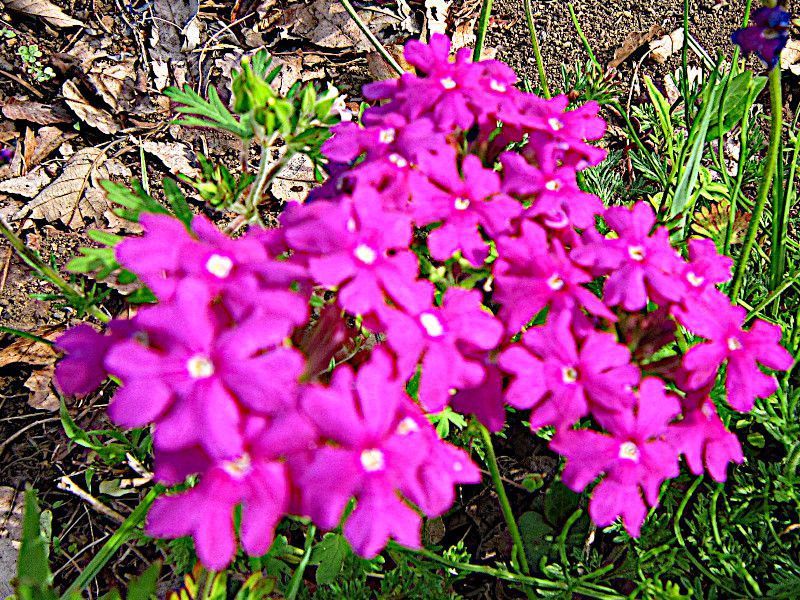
175,156
48,140
26,186
664,47
86,112
45,10
790,57
31,352
66,198
42,396
632,42
436,13
35,112
295,180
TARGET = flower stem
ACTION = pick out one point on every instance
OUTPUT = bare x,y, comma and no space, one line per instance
743,135
537,53
584,40
297,577
776,124
518,557
483,25
371,37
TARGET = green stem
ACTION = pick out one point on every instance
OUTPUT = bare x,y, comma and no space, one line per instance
297,576
25,334
125,532
518,558
586,45
738,185
776,124
537,53
371,37
49,273
483,26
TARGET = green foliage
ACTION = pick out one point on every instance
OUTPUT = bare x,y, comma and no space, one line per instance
31,61
34,578
217,185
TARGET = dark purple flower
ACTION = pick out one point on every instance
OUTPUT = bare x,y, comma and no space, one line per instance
768,36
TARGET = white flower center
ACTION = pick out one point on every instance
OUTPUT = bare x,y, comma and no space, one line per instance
553,185
497,86
406,426
695,280
448,83
386,136
569,375
629,451
365,254
372,460
555,124
239,467
199,367
707,410
219,266
432,324
734,344
398,160
636,253
351,225
461,204
555,282
457,467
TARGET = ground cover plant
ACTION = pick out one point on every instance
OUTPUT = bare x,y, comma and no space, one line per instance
311,391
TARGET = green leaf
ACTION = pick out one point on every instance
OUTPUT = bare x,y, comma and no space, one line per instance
134,201
71,429
329,555
178,202
661,105
34,578
215,112
740,94
143,587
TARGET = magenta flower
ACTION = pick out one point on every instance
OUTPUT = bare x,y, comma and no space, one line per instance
486,401
462,205
253,480
743,350
639,265
441,338
531,273
561,378
634,458
553,190
376,450
705,269
703,439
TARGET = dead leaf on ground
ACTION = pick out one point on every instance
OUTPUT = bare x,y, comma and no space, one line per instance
436,14
632,42
175,156
31,352
664,47
86,111
74,196
35,112
790,57
296,179
174,34
45,10
114,78
42,396
28,185
47,141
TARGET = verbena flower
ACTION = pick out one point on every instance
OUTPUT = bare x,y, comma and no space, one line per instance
768,36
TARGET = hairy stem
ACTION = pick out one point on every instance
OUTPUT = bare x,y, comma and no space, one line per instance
518,557
776,124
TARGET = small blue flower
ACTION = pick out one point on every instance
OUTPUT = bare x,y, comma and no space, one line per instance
6,154
767,37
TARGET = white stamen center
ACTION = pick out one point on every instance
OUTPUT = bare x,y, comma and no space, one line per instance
432,324
497,86
629,451
219,266
372,460
569,374
398,160
636,253
239,467
351,225
457,467
406,426
553,185
448,83
461,204
695,280
199,367
707,410
365,254
386,136
555,282
555,124
734,344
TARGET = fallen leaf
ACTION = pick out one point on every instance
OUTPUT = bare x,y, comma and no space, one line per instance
35,112
632,42
175,156
31,352
45,10
86,112
26,186
436,13
174,34
42,396
69,198
664,47
296,179
48,140
790,57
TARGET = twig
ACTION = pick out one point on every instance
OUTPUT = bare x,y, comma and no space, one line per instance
66,484
17,434
371,37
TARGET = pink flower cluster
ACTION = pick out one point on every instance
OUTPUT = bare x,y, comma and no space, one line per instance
456,177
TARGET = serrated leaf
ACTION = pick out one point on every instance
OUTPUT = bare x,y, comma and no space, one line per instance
143,587
330,555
